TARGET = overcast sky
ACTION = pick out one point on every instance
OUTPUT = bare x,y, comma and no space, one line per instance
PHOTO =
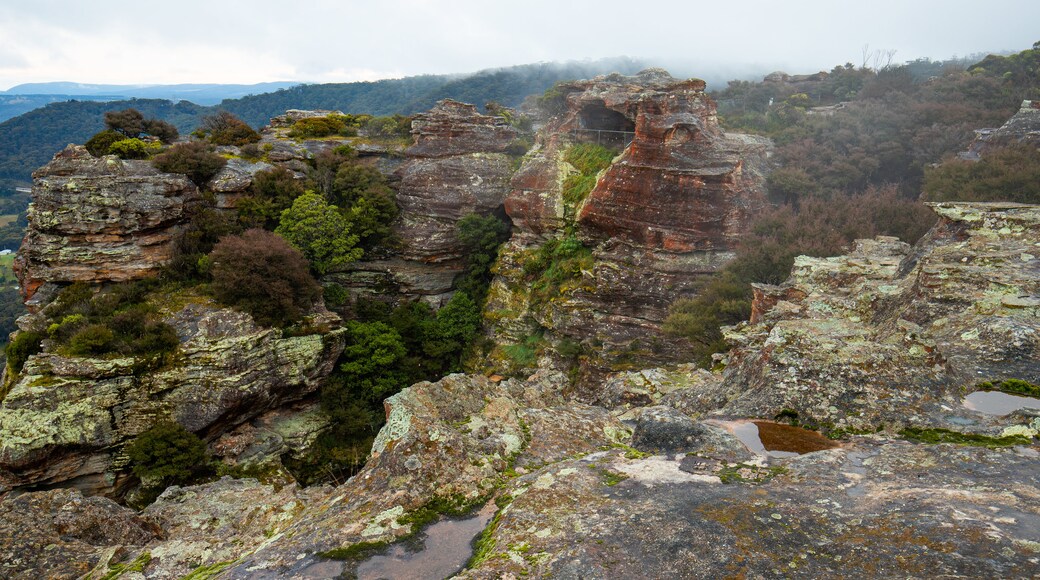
218,41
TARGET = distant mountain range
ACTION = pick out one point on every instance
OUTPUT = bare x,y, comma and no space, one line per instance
200,94
30,139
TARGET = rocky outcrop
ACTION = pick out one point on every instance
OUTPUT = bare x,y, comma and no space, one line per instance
890,335
873,508
61,534
66,419
571,501
1022,128
667,212
101,219
456,166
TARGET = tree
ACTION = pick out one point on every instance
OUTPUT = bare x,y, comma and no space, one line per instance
320,231
161,130
167,454
100,143
271,193
260,273
194,159
481,237
371,357
1008,174
129,122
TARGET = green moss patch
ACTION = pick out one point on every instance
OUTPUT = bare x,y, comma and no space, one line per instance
1011,387
919,435
358,551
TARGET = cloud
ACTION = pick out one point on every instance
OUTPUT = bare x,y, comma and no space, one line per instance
117,41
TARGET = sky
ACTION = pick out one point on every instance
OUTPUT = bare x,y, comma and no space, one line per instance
245,42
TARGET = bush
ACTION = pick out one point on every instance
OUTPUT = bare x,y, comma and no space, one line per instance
316,127
134,149
131,123
194,159
271,193
481,236
260,273
24,345
115,319
1008,174
318,230
161,130
99,144
94,339
206,228
223,128
167,454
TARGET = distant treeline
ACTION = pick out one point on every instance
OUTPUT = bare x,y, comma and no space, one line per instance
29,140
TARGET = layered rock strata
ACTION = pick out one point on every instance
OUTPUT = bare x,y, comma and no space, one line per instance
101,219
66,419
667,212
456,166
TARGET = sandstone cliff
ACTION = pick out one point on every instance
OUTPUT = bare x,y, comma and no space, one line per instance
101,220
666,212
456,166
65,419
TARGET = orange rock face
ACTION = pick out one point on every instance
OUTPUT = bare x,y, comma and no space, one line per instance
668,211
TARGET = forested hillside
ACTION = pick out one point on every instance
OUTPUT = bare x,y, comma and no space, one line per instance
28,141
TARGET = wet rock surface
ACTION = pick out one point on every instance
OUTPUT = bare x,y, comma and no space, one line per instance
881,509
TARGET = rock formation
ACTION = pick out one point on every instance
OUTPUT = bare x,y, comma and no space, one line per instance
891,335
456,166
101,219
1023,127
665,213
66,419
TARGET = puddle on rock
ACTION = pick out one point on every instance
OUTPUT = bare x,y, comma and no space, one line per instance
777,439
997,403
447,546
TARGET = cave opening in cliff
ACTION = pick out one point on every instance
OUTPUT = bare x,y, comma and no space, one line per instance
605,126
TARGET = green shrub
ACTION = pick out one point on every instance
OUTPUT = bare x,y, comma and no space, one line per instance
115,319
260,273
194,159
555,263
317,127
320,232
206,228
134,149
24,345
94,339
99,144
589,159
1008,174
167,454
481,237
271,193
335,295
